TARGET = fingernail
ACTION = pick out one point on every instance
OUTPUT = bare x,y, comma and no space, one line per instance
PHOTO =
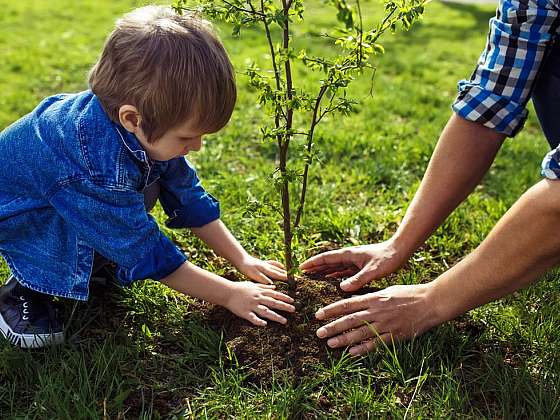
354,352
332,342
346,286
320,314
321,332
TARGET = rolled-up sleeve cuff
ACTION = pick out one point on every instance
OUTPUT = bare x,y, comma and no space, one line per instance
550,167
197,214
162,260
493,111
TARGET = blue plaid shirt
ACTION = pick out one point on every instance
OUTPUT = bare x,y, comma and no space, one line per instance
520,38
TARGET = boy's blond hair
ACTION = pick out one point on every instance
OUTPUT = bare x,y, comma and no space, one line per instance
171,67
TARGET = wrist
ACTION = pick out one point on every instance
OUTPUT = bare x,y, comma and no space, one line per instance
402,247
436,307
230,292
241,259
445,304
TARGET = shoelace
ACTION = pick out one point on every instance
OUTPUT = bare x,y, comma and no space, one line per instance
31,306
25,307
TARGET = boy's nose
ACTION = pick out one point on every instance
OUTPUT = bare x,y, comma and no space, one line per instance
197,144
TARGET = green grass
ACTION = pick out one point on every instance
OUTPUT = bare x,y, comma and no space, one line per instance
144,352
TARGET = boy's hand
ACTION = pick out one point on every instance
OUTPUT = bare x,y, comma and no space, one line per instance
262,271
254,302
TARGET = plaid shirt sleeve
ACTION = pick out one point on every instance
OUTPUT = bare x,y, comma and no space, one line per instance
520,36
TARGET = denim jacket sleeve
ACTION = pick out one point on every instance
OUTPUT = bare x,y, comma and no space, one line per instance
184,199
116,224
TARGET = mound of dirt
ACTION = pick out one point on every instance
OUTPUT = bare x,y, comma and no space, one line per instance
277,350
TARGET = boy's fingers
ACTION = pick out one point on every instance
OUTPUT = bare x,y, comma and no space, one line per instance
270,267
266,286
278,304
276,273
255,320
279,296
261,278
270,314
276,263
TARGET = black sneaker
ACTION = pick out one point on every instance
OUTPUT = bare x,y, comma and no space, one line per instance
28,319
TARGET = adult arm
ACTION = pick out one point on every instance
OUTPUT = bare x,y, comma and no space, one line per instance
520,37
517,251
462,156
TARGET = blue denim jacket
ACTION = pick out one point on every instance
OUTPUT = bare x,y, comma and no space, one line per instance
71,182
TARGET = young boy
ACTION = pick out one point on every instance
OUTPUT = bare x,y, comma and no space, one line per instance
77,170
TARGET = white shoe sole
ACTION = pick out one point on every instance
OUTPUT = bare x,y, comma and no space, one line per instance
29,341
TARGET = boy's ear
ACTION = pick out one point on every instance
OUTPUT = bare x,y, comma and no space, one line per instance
130,118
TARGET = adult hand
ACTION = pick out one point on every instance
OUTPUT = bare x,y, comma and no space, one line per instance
395,313
362,263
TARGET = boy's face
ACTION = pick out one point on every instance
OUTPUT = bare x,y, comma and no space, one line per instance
176,142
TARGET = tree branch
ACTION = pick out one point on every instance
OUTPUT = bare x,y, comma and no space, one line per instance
250,12
314,123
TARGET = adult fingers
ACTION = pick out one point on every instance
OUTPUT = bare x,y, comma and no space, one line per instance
345,323
370,345
326,270
255,320
342,273
267,313
279,296
343,307
354,336
266,286
278,304
325,259
361,278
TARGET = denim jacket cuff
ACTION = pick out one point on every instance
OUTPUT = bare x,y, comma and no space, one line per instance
198,214
157,264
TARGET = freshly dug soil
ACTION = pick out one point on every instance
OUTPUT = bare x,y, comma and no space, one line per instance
276,350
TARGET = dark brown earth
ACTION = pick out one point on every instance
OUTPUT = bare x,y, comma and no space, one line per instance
274,351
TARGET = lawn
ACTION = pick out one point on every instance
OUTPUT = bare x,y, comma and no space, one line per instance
147,352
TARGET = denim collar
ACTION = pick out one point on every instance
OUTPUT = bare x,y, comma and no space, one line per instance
129,140
132,144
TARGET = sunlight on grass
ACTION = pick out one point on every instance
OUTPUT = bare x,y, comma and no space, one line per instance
144,352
